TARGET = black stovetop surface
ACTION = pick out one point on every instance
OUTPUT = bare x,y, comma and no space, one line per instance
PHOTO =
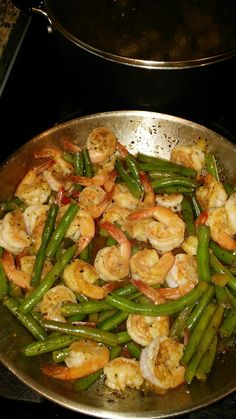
38,95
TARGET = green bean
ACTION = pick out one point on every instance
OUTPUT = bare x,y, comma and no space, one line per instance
32,325
47,232
3,283
178,327
60,354
59,232
85,382
103,315
133,167
221,296
130,182
110,241
85,332
122,337
188,216
134,350
197,333
218,267
78,163
196,206
225,256
229,324
229,189
112,322
169,308
67,156
48,345
115,351
211,166
203,264
72,309
11,204
200,307
86,252
15,291
50,278
204,343
175,181
156,163
207,361
76,318
175,190
88,166
231,298
161,174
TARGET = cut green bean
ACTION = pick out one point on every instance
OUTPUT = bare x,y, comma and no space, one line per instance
200,307
231,298
197,333
207,361
85,382
133,167
188,216
221,296
41,255
88,166
60,231
72,309
179,325
204,343
211,166
175,189
161,174
203,264
224,255
60,354
153,310
177,181
33,299
132,184
134,350
229,324
3,283
218,267
196,206
48,345
229,189
112,322
122,337
28,321
155,163
85,332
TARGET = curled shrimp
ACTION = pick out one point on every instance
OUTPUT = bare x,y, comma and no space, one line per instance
149,267
81,229
143,329
123,197
160,364
115,214
101,144
35,218
182,277
221,231
122,373
112,263
85,357
164,229
19,277
13,234
212,194
56,176
33,188
192,156
171,201
95,200
189,245
80,276
53,299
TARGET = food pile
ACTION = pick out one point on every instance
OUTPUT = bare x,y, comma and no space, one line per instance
120,266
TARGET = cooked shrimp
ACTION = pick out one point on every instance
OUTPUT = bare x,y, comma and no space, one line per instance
115,214
95,200
182,277
143,329
230,207
171,201
27,265
149,267
221,231
13,235
80,276
149,194
35,218
33,188
189,245
123,197
17,276
122,373
188,156
81,229
160,364
85,357
56,176
212,194
53,299
101,144
164,229
112,263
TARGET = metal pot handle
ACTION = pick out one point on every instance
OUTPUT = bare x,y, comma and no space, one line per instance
32,6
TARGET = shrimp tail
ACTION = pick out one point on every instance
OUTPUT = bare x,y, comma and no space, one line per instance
20,278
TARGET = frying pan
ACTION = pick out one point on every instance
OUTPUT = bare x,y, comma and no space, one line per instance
150,133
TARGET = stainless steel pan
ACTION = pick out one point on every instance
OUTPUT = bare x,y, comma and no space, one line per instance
150,133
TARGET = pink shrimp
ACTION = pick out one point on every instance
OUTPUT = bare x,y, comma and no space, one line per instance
18,277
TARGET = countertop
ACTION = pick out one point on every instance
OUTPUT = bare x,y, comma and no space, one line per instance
12,27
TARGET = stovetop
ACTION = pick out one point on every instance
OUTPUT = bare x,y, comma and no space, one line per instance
38,95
